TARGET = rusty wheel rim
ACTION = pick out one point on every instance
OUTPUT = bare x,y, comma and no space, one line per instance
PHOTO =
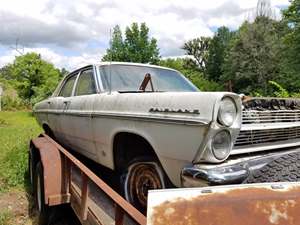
141,179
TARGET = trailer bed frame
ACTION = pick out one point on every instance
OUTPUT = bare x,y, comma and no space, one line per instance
59,167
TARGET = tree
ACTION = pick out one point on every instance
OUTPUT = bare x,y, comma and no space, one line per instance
34,78
291,58
216,53
192,74
5,72
63,72
254,57
198,48
136,47
116,52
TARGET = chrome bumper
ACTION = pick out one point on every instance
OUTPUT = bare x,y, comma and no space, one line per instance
233,171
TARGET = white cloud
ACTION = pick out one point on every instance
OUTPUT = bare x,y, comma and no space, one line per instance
75,24
69,62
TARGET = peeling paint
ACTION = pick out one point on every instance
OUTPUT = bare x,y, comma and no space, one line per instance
247,206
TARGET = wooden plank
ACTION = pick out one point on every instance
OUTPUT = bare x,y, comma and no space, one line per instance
84,196
96,215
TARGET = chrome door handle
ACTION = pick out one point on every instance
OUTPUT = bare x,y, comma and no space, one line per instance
66,102
49,102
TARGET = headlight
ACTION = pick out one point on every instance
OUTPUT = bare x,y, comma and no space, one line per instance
227,111
221,145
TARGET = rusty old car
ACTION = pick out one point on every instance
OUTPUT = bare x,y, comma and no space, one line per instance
156,129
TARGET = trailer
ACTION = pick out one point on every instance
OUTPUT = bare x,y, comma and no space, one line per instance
60,178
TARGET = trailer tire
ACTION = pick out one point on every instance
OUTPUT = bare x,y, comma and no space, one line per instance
31,169
283,169
42,208
142,174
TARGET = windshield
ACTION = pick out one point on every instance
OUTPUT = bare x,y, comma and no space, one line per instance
128,78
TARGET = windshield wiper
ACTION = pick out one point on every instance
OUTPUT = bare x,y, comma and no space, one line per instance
145,82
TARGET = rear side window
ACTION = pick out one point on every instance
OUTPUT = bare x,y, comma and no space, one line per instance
86,83
66,90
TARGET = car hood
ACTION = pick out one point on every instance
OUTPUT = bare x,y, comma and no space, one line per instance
191,106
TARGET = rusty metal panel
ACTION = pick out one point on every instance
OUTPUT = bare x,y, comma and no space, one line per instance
52,166
255,204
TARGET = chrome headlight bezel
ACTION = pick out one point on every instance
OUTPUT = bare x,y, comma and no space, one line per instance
227,144
227,113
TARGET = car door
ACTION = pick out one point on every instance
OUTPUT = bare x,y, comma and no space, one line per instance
60,105
79,114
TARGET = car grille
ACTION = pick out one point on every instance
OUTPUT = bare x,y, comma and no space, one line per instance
270,116
251,137
262,128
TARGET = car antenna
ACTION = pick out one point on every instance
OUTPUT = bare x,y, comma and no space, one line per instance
110,59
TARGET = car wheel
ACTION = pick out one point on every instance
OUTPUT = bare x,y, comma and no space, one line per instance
285,168
42,208
141,176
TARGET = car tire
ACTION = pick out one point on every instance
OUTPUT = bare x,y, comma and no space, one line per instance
39,197
283,169
142,174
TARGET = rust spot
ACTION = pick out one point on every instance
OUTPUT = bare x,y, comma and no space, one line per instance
248,206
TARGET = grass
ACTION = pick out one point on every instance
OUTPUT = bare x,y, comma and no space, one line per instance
16,129
5,218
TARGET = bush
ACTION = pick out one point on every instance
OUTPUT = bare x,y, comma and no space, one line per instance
13,104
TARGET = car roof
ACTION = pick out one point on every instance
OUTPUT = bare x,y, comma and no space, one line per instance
117,63
121,63
132,64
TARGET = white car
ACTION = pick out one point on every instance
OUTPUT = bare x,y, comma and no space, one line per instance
155,128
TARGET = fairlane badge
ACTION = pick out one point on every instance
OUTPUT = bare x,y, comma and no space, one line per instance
166,110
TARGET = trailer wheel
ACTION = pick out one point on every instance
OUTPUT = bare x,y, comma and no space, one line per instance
141,176
283,169
31,168
42,208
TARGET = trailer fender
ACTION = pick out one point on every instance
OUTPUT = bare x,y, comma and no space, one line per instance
53,166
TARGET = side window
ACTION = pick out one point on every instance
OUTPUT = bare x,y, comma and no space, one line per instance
86,83
66,90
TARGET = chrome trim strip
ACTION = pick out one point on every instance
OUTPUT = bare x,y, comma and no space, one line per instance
98,78
265,146
269,126
126,116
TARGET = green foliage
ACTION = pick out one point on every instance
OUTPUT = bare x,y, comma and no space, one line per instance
13,104
10,101
33,78
216,53
280,92
192,74
136,47
116,52
3,122
277,91
5,217
291,58
20,127
198,48
254,56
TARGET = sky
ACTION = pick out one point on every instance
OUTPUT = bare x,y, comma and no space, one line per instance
75,33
